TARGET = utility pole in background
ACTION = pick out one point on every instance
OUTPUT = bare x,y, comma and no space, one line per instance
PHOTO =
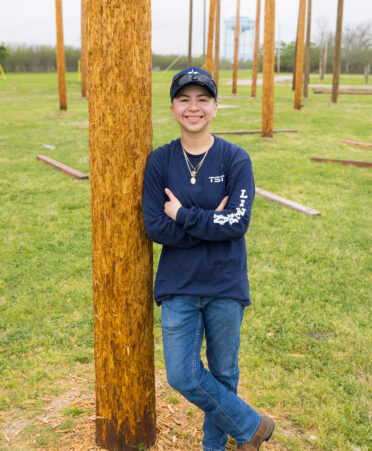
300,54
61,63
256,49
236,48
337,52
209,57
83,54
307,50
120,140
268,71
190,35
217,43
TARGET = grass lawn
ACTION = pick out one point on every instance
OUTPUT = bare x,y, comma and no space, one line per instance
306,340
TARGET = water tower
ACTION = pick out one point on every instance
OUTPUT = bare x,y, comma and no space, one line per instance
246,39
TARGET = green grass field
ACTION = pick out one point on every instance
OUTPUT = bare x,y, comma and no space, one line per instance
306,341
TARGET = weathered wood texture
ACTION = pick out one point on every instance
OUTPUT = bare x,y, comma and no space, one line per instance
63,168
356,143
61,63
307,51
209,57
286,203
256,49
337,52
190,35
300,55
362,164
251,132
236,48
343,91
83,55
268,70
120,135
216,68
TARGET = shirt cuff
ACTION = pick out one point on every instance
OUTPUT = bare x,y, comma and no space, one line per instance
181,215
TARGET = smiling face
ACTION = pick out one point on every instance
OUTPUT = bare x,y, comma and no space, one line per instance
193,109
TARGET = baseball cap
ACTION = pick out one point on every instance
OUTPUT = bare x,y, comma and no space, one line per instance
193,76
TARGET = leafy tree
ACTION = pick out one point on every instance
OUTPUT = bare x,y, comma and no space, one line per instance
357,47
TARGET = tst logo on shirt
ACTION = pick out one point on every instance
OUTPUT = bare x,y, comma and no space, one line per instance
217,178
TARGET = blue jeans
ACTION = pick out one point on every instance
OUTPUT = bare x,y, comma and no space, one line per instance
184,321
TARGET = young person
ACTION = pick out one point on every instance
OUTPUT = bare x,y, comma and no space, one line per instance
197,200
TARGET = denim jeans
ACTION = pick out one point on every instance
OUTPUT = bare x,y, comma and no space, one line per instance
184,321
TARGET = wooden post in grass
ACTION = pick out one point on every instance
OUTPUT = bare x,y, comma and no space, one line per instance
337,52
307,51
300,55
209,57
61,63
83,56
120,135
256,50
216,73
236,48
190,34
268,71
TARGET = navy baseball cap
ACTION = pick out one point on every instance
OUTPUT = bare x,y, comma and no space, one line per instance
193,76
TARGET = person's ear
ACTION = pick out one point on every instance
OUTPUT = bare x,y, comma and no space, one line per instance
172,109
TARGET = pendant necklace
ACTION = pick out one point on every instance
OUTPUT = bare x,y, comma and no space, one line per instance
193,170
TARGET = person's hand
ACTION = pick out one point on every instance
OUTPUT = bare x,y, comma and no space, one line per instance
222,205
172,206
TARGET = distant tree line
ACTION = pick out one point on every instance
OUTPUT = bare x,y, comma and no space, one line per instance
356,55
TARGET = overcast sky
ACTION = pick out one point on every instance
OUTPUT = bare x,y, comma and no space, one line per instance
33,21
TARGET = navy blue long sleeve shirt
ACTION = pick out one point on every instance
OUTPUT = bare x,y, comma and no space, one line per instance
204,251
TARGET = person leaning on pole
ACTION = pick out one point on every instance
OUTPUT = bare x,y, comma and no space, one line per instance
197,200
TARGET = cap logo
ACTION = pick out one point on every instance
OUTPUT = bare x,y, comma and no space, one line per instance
193,72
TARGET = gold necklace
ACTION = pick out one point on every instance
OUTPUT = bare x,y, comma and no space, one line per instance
193,170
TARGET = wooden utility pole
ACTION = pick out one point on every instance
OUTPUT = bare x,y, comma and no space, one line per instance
268,70
337,52
256,50
120,135
295,52
209,57
236,48
300,55
217,43
278,56
190,35
61,63
307,50
83,56
204,14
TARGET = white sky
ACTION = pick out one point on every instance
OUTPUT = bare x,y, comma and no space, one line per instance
33,21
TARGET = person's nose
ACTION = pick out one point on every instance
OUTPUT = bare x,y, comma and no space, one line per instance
193,105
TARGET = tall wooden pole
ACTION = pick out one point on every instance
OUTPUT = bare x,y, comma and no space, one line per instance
61,63
209,57
83,56
190,34
268,71
295,52
337,53
300,55
204,14
217,43
120,135
256,50
307,50
236,48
